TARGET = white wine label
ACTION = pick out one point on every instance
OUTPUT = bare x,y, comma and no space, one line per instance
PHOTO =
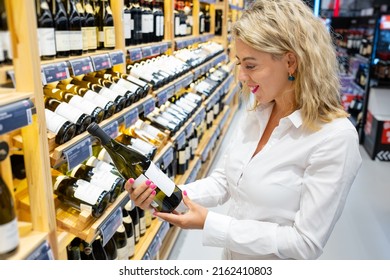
96,98
46,40
127,25
126,84
92,38
87,192
103,166
103,179
54,121
69,112
131,245
9,236
112,95
141,145
83,104
123,253
109,36
76,40
118,89
62,41
158,177
182,157
142,225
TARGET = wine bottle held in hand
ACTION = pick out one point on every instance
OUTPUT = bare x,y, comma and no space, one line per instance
132,164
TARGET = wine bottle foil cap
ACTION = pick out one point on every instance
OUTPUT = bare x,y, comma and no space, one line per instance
75,169
92,128
58,181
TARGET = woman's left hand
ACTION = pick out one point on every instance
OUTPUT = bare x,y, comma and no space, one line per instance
194,218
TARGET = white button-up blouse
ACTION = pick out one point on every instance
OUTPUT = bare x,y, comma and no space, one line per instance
285,200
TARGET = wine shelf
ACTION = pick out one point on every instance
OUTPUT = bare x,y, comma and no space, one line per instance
144,242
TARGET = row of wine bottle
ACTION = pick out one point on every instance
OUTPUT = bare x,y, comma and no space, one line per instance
121,246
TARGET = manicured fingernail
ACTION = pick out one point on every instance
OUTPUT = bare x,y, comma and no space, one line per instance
148,182
131,181
153,192
152,186
185,193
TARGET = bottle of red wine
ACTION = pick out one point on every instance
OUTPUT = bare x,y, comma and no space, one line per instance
61,24
105,23
132,164
46,33
90,24
75,32
9,235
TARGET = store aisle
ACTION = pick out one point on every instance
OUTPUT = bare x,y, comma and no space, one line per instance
362,233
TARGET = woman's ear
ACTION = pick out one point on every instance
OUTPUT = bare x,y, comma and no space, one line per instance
292,62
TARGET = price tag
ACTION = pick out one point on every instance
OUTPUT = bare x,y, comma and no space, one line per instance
112,129
146,52
162,97
101,61
163,47
43,252
189,129
178,85
78,153
179,45
167,158
81,66
54,72
131,117
15,115
149,106
117,58
180,140
155,49
109,226
135,54
170,91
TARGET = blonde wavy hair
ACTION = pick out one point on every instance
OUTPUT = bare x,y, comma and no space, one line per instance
280,26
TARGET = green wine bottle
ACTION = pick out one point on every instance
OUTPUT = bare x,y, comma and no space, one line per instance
132,164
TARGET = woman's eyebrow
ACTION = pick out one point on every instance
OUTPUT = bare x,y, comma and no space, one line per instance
246,58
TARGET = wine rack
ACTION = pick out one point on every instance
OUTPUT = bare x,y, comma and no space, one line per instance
45,225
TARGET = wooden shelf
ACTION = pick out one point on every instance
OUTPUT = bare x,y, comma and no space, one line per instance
28,241
8,96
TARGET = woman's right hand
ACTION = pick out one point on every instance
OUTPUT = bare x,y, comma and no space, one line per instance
142,195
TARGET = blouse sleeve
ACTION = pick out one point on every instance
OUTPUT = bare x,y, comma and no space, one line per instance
331,170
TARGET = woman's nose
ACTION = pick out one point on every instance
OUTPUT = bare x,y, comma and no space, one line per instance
242,76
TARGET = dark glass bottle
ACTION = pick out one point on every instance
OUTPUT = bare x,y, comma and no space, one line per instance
127,22
105,24
98,250
133,212
132,164
73,249
120,239
46,32
90,24
75,33
84,30
9,235
69,112
99,100
136,16
60,126
129,227
111,249
147,22
61,25
86,251
158,15
105,180
80,194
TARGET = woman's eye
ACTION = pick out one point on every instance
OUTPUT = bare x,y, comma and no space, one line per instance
249,67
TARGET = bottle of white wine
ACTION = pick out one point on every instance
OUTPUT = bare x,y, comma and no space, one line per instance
69,112
9,235
60,126
102,179
81,194
120,239
111,249
129,227
133,212
132,164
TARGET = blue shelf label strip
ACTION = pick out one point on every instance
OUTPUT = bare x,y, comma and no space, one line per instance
54,72
135,54
149,106
109,226
78,153
15,115
81,66
131,117
100,62
112,129
117,57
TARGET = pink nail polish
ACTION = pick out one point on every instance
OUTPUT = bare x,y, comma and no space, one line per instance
185,193
153,192
131,180
152,186
148,182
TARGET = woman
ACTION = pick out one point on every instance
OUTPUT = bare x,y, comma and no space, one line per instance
295,156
